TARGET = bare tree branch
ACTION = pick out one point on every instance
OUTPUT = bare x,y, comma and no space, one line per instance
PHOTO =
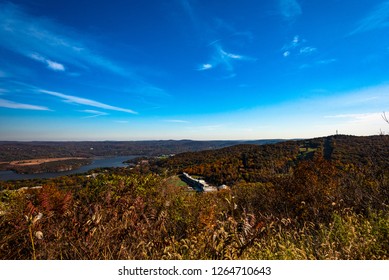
385,117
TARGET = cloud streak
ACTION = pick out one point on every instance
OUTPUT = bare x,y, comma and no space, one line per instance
290,9
205,66
322,62
189,10
39,38
49,63
14,105
326,61
378,18
223,59
85,101
93,113
3,74
211,31
298,46
307,50
358,118
176,121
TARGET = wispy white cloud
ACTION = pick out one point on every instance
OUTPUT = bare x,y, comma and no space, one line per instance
26,34
93,113
223,59
348,103
291,46
60,49
224,54
298,46
189,10
148,90
220,58
231,55
49,63
55,65
205,66
327,61
3,74
290,9
295,42
85,101
307,50
363,107
358,118
378,18
176,121
14,105
210,127
204,29
316,63
343,116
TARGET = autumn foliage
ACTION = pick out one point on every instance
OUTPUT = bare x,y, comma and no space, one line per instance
298,206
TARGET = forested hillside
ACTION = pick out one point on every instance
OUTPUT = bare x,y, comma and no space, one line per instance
10,151
50,156
323,198
253,163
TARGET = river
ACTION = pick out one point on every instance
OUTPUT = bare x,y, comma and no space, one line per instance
99,162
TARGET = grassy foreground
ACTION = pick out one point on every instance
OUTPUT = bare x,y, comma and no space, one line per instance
317,212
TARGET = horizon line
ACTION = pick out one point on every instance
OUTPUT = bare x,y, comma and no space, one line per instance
194,140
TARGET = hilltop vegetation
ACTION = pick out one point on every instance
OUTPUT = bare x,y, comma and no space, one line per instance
45,165
77,154
324,198
259,163
10,151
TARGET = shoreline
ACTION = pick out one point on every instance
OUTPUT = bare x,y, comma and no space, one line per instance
94,163
38,161
45,165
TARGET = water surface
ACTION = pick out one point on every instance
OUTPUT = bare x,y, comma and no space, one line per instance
99,162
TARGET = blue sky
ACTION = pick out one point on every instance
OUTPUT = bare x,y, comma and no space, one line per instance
192,69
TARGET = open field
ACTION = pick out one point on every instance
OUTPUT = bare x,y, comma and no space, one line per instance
39,161
42,165
175,181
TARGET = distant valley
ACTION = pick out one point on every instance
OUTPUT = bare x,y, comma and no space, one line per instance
40,157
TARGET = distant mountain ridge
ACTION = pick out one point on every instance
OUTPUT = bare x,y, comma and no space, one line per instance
14,150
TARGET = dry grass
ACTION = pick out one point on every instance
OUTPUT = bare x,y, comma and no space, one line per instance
28,162
146,217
